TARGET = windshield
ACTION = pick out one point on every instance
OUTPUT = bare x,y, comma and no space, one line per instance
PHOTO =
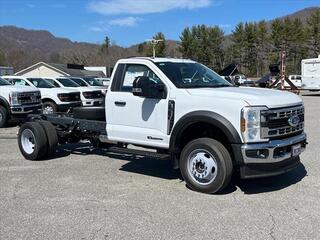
192,75
4,82
66,82
93,82
40,83
80,82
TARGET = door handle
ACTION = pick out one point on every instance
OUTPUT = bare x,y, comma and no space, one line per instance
120,103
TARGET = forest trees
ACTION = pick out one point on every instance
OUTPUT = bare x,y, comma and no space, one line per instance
254,46
203,44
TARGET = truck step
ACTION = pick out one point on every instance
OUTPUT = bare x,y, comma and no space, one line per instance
138,152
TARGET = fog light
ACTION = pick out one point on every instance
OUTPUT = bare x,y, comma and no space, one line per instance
260,153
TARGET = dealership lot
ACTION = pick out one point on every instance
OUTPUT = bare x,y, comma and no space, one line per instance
92,194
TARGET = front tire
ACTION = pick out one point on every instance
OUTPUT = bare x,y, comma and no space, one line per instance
206,165
32,141
49,108
3,116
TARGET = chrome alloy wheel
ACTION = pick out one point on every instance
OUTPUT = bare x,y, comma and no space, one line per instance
28,141
47,110
202,166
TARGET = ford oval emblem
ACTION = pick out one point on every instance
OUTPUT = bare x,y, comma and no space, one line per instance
294,120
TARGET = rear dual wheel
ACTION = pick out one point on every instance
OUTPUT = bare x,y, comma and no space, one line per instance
37,140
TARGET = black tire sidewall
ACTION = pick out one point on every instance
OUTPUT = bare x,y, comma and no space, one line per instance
219,152
51,135
4,114
41,142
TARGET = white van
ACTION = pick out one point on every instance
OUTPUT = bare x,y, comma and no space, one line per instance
310,74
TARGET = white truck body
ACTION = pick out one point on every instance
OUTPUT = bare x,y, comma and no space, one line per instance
208,126
96,100
17,102
49,94
310,73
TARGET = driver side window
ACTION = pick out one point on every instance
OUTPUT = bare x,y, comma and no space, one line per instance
132,71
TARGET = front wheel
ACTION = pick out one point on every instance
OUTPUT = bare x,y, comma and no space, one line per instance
206,165
3,116
49,108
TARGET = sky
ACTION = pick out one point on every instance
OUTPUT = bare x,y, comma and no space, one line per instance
128,22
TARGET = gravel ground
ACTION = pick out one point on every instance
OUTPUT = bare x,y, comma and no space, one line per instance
90,194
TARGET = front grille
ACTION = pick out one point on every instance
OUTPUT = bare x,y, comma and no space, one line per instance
29,98
92,94
275,123
74,96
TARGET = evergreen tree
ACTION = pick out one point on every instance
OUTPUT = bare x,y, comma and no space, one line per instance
314,33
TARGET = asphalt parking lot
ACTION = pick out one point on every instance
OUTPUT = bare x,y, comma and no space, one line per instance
89,194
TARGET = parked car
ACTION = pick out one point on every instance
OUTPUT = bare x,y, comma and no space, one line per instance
90,82
104,81
89,96
17,102
295,79
241,79
53,99
210,128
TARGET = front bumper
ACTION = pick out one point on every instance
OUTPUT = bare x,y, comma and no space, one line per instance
272,158
20,112
68,106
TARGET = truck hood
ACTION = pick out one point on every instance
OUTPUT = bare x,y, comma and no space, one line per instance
57,90
252,96
14,88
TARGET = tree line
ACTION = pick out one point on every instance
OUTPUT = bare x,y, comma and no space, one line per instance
252,46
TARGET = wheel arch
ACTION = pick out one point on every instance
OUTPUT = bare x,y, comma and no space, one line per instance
44,100
212,120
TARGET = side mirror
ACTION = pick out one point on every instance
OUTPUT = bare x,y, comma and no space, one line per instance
144,87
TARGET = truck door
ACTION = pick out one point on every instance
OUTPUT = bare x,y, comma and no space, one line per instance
136,119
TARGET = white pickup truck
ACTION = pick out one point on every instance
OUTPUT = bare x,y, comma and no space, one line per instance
89,96
16,102
180,107
53,99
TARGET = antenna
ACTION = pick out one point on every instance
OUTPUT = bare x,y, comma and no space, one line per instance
154,43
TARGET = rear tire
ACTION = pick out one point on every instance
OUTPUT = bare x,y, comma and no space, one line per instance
206,165
3,116
32,141
49,108
52,137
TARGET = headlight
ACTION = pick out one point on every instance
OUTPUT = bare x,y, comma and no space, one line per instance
251,124
88,95
64,97
13,97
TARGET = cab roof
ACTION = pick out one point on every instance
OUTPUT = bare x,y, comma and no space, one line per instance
160,59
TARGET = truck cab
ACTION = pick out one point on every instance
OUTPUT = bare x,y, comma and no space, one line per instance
17,102
53,99
210,128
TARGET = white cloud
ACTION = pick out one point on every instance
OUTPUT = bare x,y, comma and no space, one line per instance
98,29
113,7
127,22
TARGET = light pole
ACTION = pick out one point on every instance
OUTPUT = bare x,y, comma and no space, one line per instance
154,43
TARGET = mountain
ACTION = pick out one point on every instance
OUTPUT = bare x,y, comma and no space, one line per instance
21,48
